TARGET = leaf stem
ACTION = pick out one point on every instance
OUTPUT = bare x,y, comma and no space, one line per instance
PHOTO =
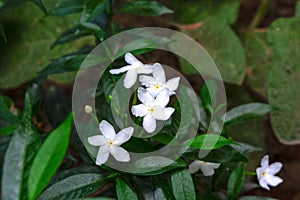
260,14
250,173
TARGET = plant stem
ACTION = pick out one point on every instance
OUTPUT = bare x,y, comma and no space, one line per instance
261,12
250,173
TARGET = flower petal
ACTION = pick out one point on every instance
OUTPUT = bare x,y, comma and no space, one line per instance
207,170
274,168
97,140
145,97
265,161
162,98
145,69
273,180
259,172
123,135
107,130
149,123
130,78
120,70
194,166
139,110
119,153
153,90
263,183
145,79
160,113
173,83
159,73
213,165
102,155
130,59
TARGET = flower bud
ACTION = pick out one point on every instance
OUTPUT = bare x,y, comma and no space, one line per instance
88,109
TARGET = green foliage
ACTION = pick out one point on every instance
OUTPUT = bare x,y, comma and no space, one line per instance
283,83
182,185
48,158
235,182
209,142
151,8
124,192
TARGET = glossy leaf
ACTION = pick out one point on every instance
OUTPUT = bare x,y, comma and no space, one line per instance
245,112
124,192
223,46
41,5
209,142
235,182
5,112
74,187
182,185
255,198
208,95
8,130
284,79
66,7
48,158
19,155
152,8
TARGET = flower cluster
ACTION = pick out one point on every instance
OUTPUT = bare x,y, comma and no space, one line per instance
154,93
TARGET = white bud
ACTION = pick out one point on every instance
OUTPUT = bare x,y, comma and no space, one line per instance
88,109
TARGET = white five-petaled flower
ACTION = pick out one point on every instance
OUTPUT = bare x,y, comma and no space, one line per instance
134,68
158,82
207,168
110,143
152,109
266,173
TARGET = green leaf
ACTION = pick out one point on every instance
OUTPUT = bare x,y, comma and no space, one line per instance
66,7
245,112
223,46
124,192
74,187
235,182
165,187
182,185
209,142
259,59
194,11
255,198
5,112
99,198
151,8
69,36
19,155
225,154
208,95
93,29
284,79
48,158
7,130
40,4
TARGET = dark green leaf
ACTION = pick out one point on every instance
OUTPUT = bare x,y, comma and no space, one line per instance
40,4
224,155
245,112
166,188
66,7
19,155
124,192
99,198
5,112
208,95
182,185
209,142
69,36
235,182
223,46
284,79
93,29
194,11
7,130
49,157
152,8
74,187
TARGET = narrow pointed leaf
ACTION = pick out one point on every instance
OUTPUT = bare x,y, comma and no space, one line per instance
124,192
182,185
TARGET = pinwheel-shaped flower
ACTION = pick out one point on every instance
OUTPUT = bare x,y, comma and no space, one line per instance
110,143
158,82
134,68
266,173
152,109
207,168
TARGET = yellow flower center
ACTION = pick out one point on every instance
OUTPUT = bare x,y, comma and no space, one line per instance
151,109
157,87
264,174
204,163
110,142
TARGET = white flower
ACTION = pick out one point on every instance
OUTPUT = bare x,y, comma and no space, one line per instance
152,109
266,173
134,68
158,82
110,143
207,168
